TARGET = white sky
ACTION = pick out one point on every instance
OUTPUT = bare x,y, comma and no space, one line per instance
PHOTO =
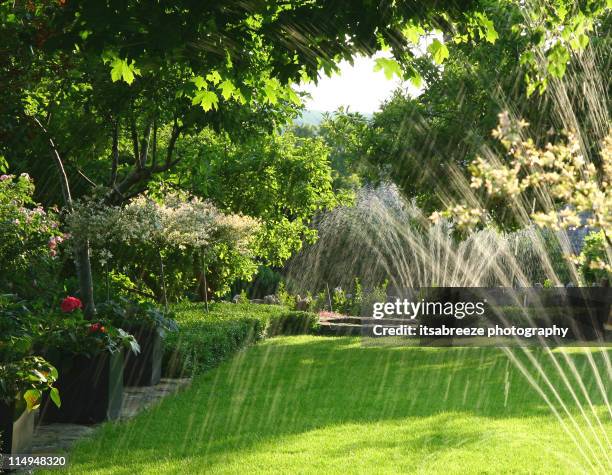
356,86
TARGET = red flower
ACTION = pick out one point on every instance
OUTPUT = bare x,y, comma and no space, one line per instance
97,328
70,304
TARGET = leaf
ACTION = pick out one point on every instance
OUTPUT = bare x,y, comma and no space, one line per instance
389,66
271,91
32,398
558,57
293,97
55,397
207,99
487,28
438,51
413,33
416,79
214,77
199,82
121,70
227,89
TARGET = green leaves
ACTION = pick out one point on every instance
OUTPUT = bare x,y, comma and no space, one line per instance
389,66
206,99
55,397
32,398
122,70
557,57
486,28
271,90
214,77
413,32
438,51
227,89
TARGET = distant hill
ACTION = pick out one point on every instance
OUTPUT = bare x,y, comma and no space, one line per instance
310,117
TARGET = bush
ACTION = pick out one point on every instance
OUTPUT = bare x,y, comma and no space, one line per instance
593,253
293,323
30,238
206,339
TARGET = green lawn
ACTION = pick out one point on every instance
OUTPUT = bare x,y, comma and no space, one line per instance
329,405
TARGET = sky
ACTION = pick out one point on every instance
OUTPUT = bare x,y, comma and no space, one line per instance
356,86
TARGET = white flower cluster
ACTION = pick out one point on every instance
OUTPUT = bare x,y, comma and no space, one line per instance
179,222
557,171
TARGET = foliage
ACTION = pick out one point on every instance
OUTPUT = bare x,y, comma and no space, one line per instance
559,172
280,179
22,374
592,255
357,301
292,323
424,142
266,281
71,334
556,31
346,135
30,235
184,235
29,377
128,312
205,338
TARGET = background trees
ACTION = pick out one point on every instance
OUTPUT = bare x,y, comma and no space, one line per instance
110,91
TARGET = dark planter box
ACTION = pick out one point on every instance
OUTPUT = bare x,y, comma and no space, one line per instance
91,389
144,369
17,428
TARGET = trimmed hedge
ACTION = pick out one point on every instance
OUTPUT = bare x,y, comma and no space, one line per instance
206,339
293,323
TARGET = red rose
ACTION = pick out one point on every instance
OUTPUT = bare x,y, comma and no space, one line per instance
70,304
97,328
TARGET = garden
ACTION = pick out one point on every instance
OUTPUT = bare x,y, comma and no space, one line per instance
196,261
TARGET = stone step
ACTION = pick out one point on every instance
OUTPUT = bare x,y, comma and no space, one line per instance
369,320
340,329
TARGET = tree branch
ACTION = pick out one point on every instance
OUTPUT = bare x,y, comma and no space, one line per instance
135,141
115,158
65,186
144,149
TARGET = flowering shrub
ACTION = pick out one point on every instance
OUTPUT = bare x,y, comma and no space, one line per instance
76,336
185,235
564,181
592,257
30,239
70,304
97,328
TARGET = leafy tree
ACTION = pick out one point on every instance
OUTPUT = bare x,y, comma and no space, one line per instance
107,89
174,66
417,142
281,179
346,134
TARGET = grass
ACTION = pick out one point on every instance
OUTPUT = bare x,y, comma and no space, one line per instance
330,405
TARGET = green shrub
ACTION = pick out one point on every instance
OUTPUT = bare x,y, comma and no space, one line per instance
293,323
593,252
206,339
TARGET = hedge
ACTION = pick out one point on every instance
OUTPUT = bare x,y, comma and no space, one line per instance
205,338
